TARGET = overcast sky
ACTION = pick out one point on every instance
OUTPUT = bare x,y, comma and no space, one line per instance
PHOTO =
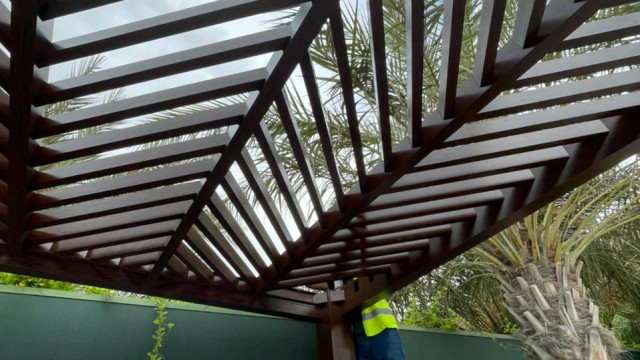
133,10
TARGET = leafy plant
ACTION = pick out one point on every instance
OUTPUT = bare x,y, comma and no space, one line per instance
162,331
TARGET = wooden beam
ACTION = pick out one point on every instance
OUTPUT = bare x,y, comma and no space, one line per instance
77,270
313,92
528,18
23,54
170,64
415,67
69,174
150,103
342,60
378,57
299,153
49,9
306,25
453,26
173,23
488,37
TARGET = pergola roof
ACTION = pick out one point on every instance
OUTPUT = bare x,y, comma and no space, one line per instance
160,219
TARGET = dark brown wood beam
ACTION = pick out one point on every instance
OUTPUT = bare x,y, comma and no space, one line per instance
378,57
173,23
304,167
580,90
77,270
138,135
86,170
306,25
23,53
528,18
150,103
198,244
49,9
415,67
602,31
121,185
488,37
215,237
342,60
582,64
187,60
452,44
255,181
317,108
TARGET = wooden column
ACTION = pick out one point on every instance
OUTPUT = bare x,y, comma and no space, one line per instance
333,334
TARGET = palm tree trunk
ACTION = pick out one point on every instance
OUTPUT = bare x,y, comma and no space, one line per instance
558,320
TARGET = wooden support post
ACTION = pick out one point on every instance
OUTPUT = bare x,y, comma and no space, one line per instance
333,334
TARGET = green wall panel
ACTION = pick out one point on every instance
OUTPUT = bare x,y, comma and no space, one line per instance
54,325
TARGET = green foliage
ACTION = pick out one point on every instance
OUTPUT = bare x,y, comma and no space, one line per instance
433,315
162,331
34,282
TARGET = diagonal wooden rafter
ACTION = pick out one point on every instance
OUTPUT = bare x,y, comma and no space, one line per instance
305,27
561,19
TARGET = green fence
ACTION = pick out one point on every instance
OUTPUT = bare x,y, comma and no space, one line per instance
54,325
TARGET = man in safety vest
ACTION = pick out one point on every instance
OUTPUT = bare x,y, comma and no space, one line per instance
376,335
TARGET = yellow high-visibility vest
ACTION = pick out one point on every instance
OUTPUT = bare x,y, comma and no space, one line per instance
378,317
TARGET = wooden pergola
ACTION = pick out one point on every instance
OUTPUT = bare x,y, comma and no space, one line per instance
152,221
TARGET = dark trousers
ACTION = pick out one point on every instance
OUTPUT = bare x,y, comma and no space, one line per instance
384,346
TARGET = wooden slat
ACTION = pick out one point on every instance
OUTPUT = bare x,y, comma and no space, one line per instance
140,259
562,94
309,77
121,185
199,245
109,223
390,227
187,60
511,145
241,240
378,58
428,208
254,179
282,179
306,25
137,135
128,162
453,15
383,240
49,9
154,102
369,252
528,18
602,31
176,266
304,167
116,237
545,119
111,206
194,263
250,217
483,168
342,59
415,67
359,264
488,38
284,284
582,64
23,53
213,234
452,189
117,251
159,26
